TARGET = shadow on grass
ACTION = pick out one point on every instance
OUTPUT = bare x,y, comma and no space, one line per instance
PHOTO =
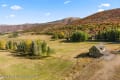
113,42
26,56
66,41
84,55
108,42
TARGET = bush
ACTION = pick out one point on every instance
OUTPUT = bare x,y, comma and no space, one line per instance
79,36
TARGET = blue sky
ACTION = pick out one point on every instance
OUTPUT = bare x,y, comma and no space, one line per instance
40,11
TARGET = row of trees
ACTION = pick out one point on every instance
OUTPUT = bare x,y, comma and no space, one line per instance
27,47
76,36
109,35
89,28
101,32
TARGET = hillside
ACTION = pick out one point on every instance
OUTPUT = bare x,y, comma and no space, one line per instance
91,24
37,26
13,28
100,18
55,24
108,16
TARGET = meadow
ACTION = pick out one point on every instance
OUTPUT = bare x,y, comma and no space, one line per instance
59,66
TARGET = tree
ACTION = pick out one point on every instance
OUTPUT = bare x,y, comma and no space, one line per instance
49,51
79,36
44,47
2,44
55,36
21,47
109,35
58,35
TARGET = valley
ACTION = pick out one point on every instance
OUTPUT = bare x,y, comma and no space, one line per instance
59,66
72,48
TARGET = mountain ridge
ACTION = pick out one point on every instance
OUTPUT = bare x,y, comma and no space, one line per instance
109,16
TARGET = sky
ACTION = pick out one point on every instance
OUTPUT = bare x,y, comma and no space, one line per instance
41,11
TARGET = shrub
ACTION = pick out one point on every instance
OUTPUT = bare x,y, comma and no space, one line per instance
79,36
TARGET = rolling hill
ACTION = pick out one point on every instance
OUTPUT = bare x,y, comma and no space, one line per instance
104,17
22,27
108,16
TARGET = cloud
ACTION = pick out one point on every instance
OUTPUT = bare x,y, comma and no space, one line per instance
16,7
4,5
67,2
100,10
10,16
47,14
104,5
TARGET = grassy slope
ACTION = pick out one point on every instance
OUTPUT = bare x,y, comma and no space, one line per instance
51,68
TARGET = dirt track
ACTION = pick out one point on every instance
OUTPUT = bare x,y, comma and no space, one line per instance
100,69
107,70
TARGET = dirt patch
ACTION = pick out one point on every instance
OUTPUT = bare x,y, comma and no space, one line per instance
107,70
100,69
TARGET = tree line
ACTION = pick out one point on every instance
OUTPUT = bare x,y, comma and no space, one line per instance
109,35
112,35
27,47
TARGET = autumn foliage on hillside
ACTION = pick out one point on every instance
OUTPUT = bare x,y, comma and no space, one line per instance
92,24
109,16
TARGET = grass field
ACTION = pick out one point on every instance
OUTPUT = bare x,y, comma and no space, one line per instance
56,67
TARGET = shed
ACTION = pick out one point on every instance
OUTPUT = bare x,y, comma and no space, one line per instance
98,51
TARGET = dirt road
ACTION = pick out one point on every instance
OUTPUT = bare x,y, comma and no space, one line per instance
107,70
